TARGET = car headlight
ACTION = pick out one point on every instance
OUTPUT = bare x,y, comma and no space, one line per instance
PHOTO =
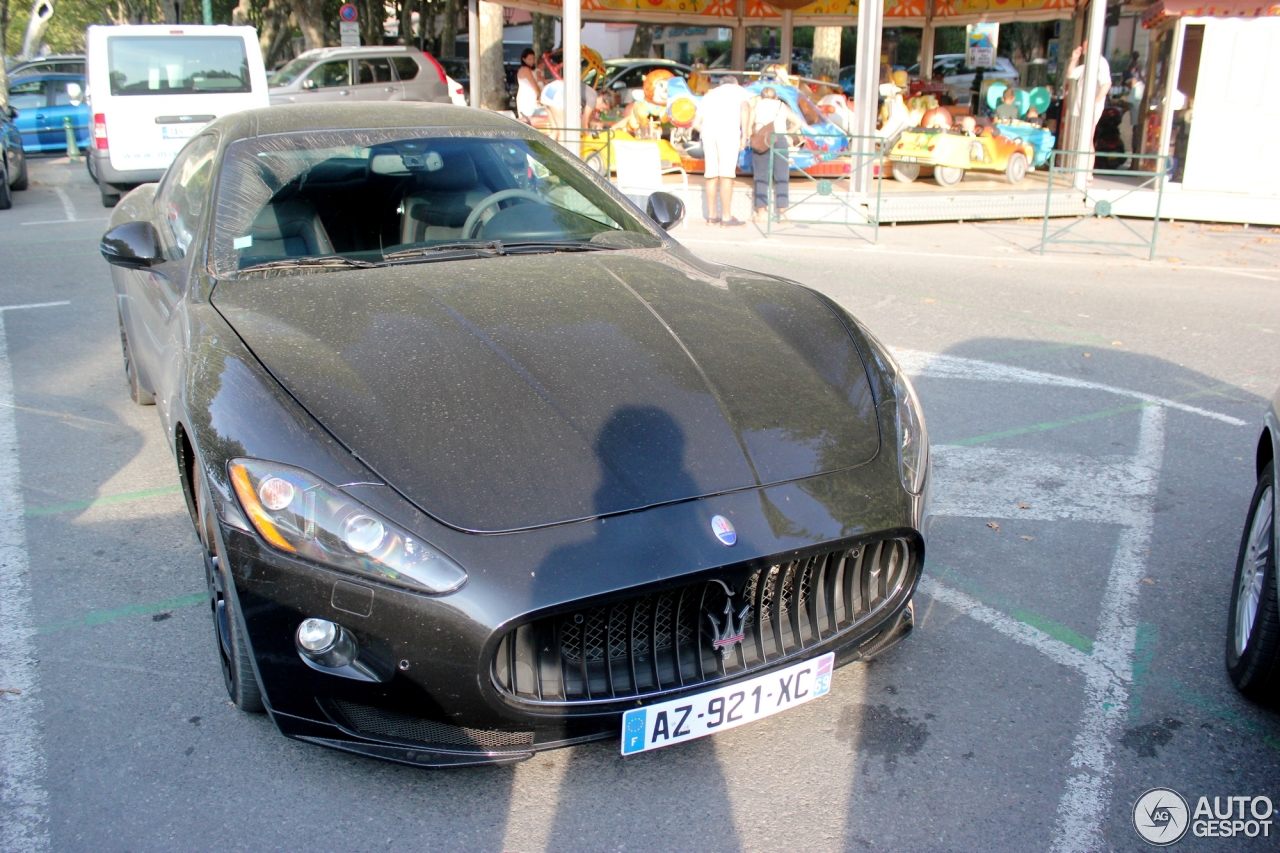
302,515
913,438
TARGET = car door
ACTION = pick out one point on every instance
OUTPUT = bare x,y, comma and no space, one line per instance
66,100
328,81
153,294
375,81
30,98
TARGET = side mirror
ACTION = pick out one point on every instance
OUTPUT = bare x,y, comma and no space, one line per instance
133,245
665,209
308,84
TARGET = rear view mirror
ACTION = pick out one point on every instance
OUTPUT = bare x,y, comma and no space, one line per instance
133,245
665,209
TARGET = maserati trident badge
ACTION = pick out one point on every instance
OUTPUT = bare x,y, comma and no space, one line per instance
723,529
724,637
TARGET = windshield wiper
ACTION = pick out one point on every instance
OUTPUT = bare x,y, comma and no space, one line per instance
312,261
492,248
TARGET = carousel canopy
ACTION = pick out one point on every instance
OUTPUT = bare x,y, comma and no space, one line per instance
723,13
1162,9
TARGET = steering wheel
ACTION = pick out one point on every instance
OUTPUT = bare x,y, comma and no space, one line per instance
473,220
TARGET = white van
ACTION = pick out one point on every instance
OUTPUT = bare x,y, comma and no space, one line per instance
153,87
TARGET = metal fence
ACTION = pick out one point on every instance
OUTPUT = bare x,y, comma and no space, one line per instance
1068,168
826,203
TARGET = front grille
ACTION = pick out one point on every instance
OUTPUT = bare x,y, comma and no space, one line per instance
379,723
666,640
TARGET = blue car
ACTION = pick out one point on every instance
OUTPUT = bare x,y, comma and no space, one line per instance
43,103
13,162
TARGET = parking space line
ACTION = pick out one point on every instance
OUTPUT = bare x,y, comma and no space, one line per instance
105,500
23,798
67,207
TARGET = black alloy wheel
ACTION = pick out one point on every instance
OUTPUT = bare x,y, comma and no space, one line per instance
140,395
1253,623
233,652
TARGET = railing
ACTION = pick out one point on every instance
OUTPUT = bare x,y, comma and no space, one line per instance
860,152
1081,164
594,145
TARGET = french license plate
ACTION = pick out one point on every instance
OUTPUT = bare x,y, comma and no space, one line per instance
725,708
180,131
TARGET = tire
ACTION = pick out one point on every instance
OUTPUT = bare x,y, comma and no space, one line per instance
24,179
1253,621
906,172
1016,169
6,198
137,393
110,197
947,176
228,624
595,162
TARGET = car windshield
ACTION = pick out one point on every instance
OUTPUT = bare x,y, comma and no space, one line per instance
286,75
357,197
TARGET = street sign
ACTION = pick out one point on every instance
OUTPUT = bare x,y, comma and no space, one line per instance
347,12
981,42
350,32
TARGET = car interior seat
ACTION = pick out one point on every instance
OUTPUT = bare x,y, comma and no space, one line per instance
288,229
438,202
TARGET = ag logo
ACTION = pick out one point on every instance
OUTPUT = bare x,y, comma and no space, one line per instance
1161,816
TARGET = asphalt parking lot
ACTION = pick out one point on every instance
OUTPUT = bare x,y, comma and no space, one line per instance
1093,419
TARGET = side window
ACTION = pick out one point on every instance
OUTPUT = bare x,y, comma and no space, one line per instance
376,70
68,93
405,67
28,96
334,73
182,199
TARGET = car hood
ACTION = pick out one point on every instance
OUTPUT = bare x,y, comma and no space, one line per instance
520,391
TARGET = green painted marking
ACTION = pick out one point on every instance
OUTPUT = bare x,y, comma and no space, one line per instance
101,617
105,500
1144,652
1026,615
1048,425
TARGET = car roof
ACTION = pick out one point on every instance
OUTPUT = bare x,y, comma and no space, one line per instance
292,118
372,50
53,75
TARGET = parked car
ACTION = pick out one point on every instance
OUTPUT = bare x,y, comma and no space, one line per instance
1253,615
360,74
624,76
847,77
13,162
153,87
408,331
458,70
955,73
44,102
57,63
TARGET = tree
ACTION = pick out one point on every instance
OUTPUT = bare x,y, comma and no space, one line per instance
826,52
310,17
641,42
449,32
544,35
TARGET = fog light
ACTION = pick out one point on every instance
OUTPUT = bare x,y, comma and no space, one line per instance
317,636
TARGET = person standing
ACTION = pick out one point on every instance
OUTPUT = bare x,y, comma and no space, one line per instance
527,88
772,119
722,120
1096,95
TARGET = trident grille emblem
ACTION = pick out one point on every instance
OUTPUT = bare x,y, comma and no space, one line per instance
724,637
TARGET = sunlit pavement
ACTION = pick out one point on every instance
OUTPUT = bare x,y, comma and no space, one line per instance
1093,418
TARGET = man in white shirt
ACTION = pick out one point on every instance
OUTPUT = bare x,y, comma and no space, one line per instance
552,98
722,120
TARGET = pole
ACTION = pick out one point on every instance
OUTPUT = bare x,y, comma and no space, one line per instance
927,39
788,36
866,93
208,12
473,52
572,72
739,55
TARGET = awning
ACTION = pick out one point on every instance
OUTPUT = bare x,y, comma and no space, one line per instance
1163,9
724,13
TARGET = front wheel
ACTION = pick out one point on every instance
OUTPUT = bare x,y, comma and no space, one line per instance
233,651
906,172
1016,169
947,176
1253,623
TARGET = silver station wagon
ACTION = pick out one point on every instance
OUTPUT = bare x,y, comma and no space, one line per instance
359,74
